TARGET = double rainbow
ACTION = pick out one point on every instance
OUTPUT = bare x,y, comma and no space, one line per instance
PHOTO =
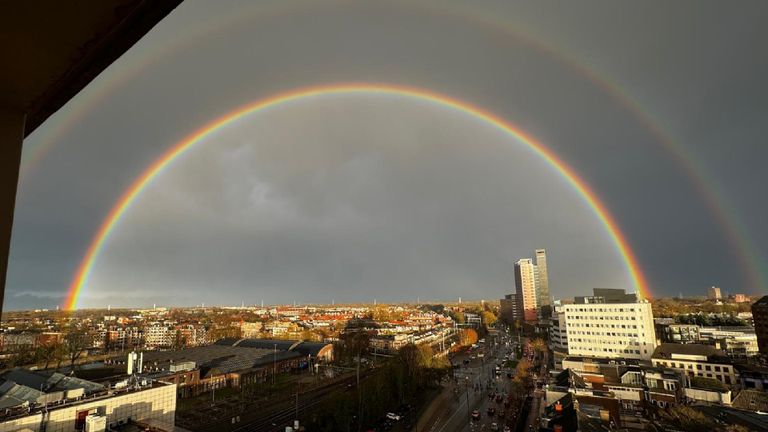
85,268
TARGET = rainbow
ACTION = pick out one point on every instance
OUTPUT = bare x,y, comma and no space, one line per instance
129,196
707,188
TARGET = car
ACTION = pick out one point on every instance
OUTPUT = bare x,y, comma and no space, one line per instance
499,398
501,414
494,426
491,411
476,415
507,429
393,416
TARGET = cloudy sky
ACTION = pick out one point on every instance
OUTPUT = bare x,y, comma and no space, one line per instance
661,108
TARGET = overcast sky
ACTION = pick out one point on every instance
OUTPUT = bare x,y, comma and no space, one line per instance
356,197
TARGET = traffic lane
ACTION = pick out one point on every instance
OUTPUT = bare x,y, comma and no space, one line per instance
496,385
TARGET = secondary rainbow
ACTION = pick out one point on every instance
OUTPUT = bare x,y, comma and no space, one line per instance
129,196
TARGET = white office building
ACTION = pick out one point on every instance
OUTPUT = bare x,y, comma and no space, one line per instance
611,330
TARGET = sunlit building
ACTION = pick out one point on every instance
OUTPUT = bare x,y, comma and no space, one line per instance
35,401
525,283
613,330
542,278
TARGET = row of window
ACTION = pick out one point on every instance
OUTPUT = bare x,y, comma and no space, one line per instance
624,326
619,334
603,318
689,366
608,350
581,309
605,342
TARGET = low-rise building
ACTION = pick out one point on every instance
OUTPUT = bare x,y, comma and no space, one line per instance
33,401
696,360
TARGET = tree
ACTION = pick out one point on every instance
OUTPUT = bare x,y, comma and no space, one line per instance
49,353
76,341
467,337
489,318
538,345
458,317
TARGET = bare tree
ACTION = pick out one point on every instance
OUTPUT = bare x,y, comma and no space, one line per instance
75,342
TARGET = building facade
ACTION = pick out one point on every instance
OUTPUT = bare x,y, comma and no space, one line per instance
542,279
696,360
508,308
616,330
714,293
525,284
760,318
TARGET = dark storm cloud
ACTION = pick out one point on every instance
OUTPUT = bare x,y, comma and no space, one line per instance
698,70
370,198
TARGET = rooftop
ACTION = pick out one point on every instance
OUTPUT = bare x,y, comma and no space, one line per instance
667,350
223,358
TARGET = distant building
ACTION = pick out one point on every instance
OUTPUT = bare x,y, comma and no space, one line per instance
612,330
525,284
737,342
542,279
760,318
508,308
473,320
678,333
740,298
713,293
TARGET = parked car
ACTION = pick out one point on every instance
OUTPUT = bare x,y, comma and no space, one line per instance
476,415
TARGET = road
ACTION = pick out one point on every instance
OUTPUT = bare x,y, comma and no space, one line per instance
469,391
532,422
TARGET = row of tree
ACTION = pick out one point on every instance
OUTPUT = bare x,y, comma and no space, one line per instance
69,350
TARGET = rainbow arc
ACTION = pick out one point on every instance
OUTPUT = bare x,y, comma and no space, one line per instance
113,218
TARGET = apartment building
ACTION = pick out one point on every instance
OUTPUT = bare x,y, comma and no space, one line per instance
526,292
612,330
558,336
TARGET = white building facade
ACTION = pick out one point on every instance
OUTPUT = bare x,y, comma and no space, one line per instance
610,330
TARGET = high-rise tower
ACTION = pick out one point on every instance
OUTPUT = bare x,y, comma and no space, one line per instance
525,284
542,279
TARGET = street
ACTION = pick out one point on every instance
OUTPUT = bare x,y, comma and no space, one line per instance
475,382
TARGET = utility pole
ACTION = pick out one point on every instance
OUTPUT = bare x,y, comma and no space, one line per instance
359,393
274,366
